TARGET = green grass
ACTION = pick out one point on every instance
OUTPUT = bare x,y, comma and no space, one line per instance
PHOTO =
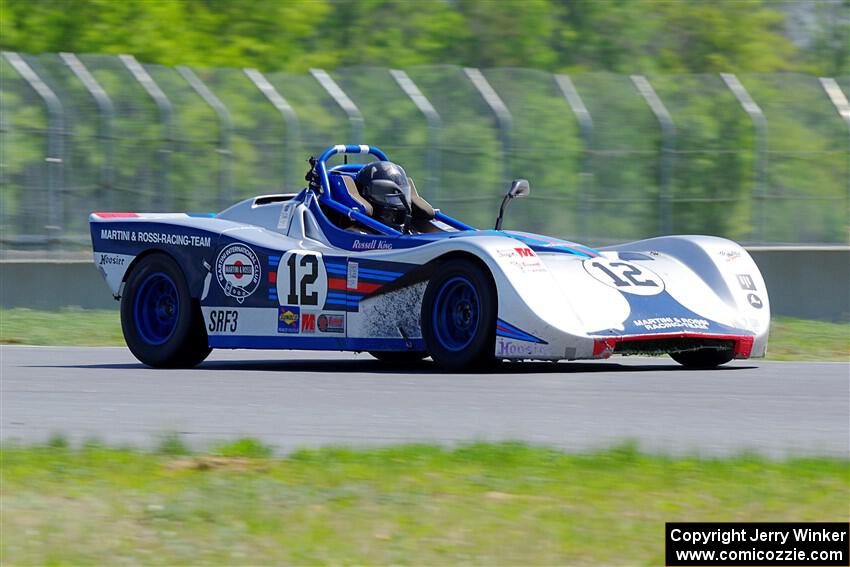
65,327
482,503
799,339
790,339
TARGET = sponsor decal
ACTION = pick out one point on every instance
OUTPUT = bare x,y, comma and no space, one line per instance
308,322
331,323
352,275
237,270
624,276
755,301
223,321
110,260
522,258
288,317
746,282
730,255
514,348
285,217
660,323
371,245
155,237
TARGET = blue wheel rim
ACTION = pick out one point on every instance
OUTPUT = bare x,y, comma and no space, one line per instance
156,309
456,314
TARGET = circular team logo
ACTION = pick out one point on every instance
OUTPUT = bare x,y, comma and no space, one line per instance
624,276
238,271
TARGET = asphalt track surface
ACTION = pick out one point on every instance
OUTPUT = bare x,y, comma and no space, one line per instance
292,399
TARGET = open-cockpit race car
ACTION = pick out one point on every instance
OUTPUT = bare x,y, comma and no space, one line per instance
358,261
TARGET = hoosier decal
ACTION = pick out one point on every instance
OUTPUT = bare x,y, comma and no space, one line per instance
238,271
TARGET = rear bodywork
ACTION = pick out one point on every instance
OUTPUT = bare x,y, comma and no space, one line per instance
274,272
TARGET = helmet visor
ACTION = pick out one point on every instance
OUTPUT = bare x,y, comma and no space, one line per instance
390,193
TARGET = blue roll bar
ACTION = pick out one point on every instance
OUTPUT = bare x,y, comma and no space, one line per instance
327,199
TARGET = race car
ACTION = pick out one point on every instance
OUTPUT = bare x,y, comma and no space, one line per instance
359,261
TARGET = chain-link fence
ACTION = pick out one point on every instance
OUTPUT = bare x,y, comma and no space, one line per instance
757,158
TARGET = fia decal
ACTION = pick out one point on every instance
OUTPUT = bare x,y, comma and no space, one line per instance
352,275
285,217
237,270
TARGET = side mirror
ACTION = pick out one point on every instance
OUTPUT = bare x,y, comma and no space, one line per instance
519,188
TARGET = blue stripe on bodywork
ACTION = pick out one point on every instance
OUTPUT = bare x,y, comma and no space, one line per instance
660,306
505,329
315,343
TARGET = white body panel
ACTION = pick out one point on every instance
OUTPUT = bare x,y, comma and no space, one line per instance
567,303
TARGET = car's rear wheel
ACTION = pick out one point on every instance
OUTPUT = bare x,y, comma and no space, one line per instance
703,358
459,316
162,324
399,356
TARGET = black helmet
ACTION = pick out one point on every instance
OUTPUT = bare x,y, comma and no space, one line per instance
385,185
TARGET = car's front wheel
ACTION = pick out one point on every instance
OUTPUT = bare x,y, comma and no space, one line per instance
162,323
459,316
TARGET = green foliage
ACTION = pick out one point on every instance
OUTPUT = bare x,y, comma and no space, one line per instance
245,447
688,36
172,444
606,189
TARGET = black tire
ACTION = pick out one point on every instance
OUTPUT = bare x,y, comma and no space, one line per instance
399,356
703,358
465,340
162,324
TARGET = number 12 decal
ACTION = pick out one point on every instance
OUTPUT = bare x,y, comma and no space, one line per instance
624,276
302,279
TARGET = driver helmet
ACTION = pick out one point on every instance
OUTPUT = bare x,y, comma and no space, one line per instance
385,186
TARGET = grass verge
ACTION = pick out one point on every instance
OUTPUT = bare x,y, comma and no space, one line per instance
790,339
482,503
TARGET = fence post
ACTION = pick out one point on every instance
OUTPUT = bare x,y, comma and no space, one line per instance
55,145
166,113
290,118
4,157
585,124
355,117
435,124
839,100
500,110
225,128
668,142
760,124
107,115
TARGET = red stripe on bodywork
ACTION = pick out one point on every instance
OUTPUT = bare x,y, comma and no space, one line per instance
604,347
363,287
272,277
117,215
